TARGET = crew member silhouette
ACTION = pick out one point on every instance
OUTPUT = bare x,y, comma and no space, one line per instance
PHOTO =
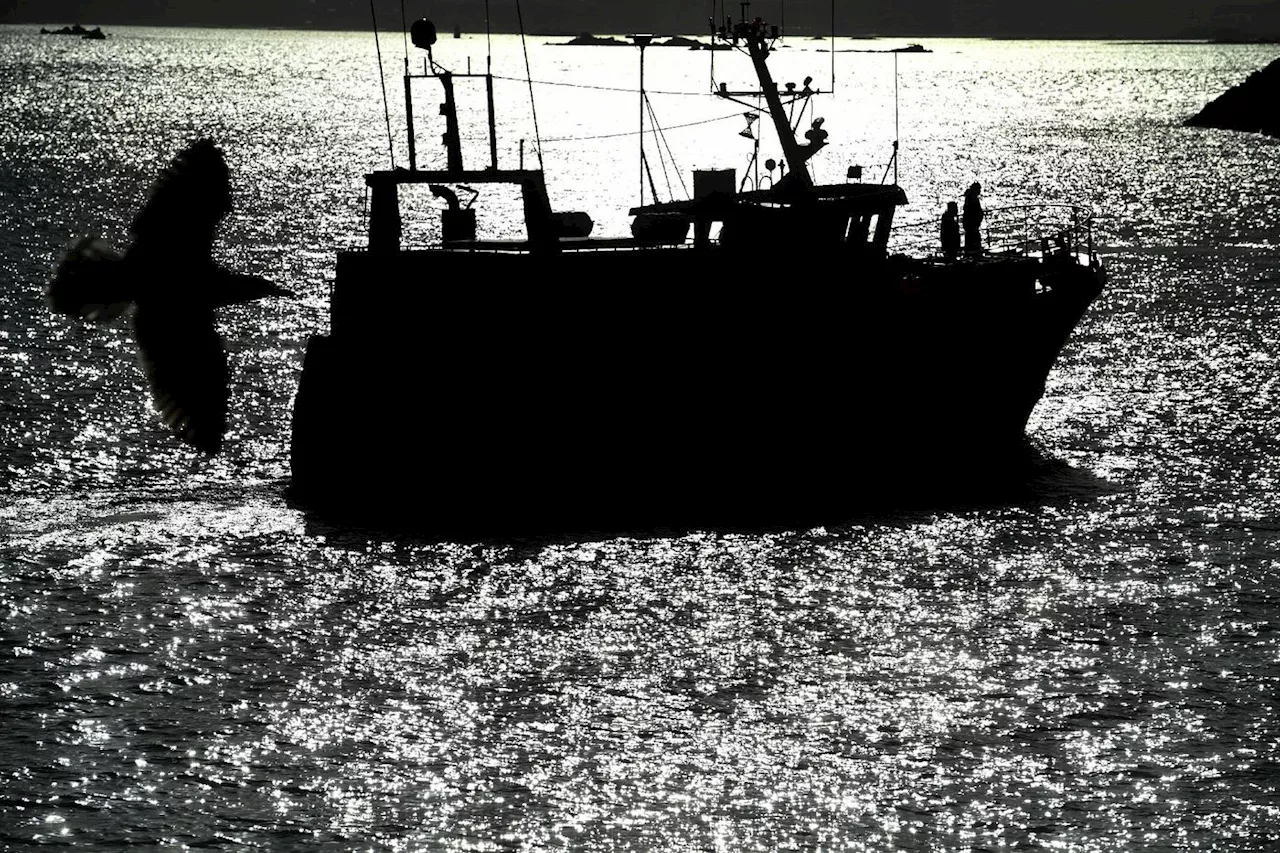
973,219
951,232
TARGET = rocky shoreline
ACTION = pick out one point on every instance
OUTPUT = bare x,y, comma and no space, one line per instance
590,40
1249,106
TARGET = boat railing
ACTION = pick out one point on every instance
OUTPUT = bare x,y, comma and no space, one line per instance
576,245
1031,230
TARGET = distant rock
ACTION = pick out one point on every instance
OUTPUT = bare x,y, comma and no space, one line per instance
75,30
589,39
680,41
1248,107
598,41
911,48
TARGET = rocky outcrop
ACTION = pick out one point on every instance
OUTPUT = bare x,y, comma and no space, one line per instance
1251,106
597,41
75,30
593,41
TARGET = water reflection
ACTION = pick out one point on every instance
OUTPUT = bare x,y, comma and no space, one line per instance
1086,664
751,692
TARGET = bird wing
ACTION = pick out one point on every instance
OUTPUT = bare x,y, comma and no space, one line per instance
189,199
186,366
90,282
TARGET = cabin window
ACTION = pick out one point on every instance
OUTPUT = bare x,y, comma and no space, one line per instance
499,213
862,227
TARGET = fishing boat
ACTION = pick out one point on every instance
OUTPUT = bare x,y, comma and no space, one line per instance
683,376
95,34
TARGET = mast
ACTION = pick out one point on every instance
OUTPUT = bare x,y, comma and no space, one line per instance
488,82
408,116
792,150
757,40
452,138
642,40
423,34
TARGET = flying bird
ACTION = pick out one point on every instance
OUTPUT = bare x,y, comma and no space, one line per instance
170,282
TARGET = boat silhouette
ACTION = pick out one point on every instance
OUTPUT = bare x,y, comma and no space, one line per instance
748,356
95,34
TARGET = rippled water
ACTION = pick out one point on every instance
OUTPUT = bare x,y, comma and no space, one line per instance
188,660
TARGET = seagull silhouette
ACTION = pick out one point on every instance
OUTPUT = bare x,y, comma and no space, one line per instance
170,280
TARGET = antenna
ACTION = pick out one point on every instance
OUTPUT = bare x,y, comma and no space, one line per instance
488,83
833,45
488,37
408,91
895,118
642,41
722,17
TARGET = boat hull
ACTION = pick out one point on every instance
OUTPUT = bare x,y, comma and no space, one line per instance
514,393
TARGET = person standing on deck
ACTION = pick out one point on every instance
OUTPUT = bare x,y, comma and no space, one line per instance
973,219
951,232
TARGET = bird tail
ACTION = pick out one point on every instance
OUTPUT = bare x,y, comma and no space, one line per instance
89,282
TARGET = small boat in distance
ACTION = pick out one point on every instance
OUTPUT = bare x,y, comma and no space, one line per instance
94,34
754,355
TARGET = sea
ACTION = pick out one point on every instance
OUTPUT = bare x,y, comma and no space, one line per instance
1089,662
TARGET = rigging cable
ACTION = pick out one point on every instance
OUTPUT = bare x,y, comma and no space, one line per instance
382,75
647,90
635,133
806,106
644,161
653,120
675,167
533,105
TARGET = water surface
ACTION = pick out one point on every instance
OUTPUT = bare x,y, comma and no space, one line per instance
187,660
